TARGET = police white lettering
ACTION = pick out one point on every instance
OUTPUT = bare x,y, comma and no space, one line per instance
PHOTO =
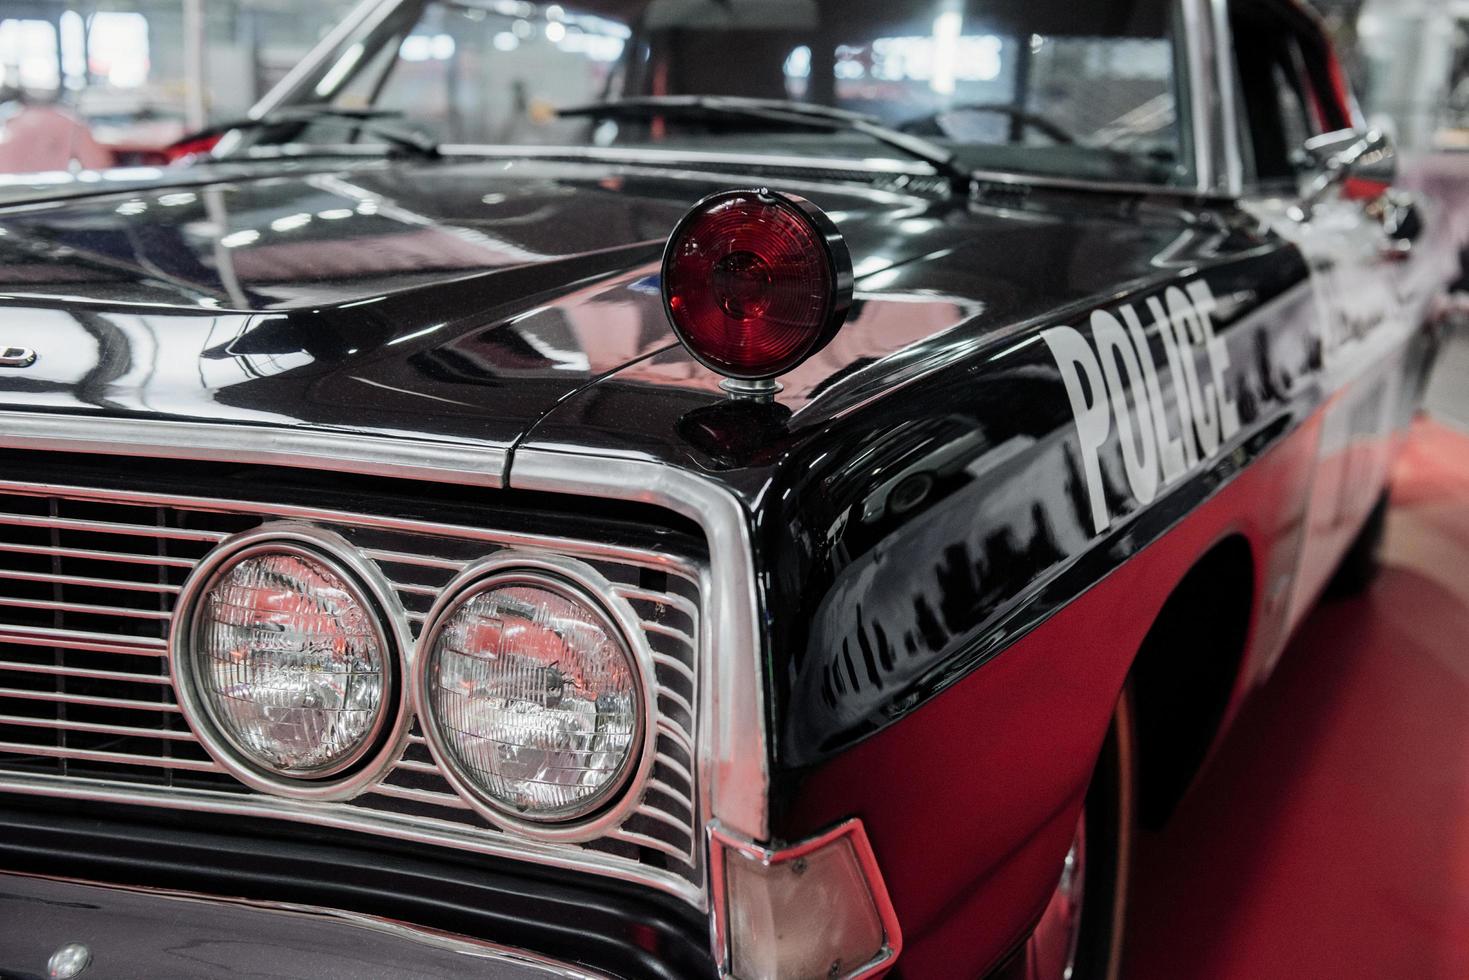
1088,406
1201,396
1180,382
1139,450
1115,376
1170,450
1204,303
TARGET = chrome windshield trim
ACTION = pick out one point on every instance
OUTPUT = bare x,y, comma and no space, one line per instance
734,767
349,25
871,165
1015,179
473,463
477,949
639,154
1201,94
1231,133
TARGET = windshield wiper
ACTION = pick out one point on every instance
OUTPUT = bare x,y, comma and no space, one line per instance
798,114
366,120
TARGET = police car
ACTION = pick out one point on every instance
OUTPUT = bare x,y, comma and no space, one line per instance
674,488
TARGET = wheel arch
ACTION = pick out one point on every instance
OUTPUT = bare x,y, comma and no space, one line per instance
1186,674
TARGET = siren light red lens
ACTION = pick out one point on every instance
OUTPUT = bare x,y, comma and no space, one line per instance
749,285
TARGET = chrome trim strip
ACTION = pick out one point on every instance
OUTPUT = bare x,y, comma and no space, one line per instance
420,830
84,608
1201,95
419,795
473,463
632,556
114,758
46,550
464,945
92,700
86,581
1021,180
51,724
734,768
106,527
675,158
82,673
741,162
652,843
323,49
67,639
1231,132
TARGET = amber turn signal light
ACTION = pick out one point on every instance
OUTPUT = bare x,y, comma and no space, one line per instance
815,909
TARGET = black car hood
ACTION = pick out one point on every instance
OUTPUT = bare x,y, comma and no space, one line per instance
477,300
459,299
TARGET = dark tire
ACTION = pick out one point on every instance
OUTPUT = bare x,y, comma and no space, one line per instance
1092,946
1362,563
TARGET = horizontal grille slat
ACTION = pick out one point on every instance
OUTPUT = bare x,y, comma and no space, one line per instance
668,729
674,664
50,578
677,795
668,631
450,800
108,527
408,765
650,842
88,582
83,607
421,561
41,636
659,598
89,700
95,728
678,768
86,673
55,551
413,588
112,758
667,819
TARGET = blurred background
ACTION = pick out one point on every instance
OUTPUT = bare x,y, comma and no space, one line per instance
140,74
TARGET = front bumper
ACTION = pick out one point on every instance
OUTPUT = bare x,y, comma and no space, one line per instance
123,933
278,881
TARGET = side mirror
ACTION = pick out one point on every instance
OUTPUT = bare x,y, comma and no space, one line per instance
1369,157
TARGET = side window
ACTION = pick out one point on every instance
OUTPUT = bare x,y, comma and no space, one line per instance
1284,88
1296,122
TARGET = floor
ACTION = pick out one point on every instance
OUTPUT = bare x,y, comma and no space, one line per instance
1330,836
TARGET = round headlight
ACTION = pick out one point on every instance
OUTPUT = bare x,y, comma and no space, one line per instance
281,659
531,694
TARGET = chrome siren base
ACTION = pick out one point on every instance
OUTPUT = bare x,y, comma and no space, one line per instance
89,579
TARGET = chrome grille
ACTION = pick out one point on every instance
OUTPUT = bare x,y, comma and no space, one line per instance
88,580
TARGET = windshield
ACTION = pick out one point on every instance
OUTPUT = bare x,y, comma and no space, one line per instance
1049,87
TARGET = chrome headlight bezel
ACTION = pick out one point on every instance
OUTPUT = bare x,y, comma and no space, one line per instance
616,801
381,747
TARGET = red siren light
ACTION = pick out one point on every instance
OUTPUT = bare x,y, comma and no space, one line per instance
755,282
